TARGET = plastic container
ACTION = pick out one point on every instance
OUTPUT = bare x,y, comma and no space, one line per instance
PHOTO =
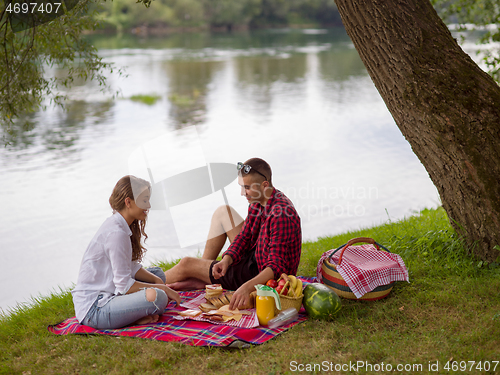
283,318
265,302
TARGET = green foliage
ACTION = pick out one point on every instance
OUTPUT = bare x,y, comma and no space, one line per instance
25,57
482,15
187,13
126,14
231,12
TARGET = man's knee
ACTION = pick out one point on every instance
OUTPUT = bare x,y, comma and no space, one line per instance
223,211
186,265
185,262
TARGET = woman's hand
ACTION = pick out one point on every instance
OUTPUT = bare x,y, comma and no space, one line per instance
171,294
145,276
158,280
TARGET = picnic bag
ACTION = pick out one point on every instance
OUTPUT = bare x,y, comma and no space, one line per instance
332,278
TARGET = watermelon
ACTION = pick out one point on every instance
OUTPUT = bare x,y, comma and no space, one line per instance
321,302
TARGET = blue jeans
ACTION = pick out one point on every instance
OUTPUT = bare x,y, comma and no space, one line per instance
124,310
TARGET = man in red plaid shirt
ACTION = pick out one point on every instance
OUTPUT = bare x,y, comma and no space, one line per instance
263,246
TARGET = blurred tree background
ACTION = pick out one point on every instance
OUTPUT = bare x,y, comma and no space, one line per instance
227,15
480,15
25,55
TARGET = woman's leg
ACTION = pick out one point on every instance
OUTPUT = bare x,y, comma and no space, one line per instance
141,307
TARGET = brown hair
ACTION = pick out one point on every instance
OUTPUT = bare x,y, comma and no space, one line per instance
261,166
123,189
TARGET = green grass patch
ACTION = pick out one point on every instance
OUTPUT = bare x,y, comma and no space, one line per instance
145,99
182,100
450,309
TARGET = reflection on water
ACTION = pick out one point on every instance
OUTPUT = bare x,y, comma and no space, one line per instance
56,134
301,99
188,86
258,75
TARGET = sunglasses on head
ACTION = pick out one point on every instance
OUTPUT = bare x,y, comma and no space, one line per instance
246,169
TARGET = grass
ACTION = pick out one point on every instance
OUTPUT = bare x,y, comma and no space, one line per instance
449,310
145,99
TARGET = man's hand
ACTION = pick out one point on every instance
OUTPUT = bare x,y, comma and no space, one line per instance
219,269
241,297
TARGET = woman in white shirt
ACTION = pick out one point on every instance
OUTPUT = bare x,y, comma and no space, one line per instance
113,290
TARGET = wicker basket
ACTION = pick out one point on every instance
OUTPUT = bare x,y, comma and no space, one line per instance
332,279
287,302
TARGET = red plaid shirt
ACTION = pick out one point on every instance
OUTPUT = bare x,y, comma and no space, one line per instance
273,232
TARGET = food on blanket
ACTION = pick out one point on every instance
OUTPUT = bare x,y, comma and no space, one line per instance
224,314
284,276
225,299
216,318
190,313
298,288
289,285
292,286
219,312
321,302
235,314
282,290
272,283
205,307
213,290
221,300
283,283
251,304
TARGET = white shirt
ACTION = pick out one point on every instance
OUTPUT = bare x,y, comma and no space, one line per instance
107,267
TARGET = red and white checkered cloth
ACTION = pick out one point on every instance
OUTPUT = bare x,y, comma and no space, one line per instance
364,268
246,321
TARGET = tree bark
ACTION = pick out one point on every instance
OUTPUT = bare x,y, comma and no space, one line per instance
444,104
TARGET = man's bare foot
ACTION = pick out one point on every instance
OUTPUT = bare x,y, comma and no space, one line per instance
147,320
189,284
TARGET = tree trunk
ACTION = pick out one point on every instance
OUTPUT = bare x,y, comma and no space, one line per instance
444,104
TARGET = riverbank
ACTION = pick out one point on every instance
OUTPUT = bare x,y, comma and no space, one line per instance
450,310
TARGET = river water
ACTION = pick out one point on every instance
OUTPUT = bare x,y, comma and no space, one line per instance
300,99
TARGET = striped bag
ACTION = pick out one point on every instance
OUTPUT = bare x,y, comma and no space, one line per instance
362,272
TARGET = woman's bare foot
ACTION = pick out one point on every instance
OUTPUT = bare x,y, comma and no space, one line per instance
147,320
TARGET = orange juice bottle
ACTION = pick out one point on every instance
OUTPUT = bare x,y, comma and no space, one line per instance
265,302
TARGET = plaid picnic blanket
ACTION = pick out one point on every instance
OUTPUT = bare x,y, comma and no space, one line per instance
246,321
189,332
364,268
